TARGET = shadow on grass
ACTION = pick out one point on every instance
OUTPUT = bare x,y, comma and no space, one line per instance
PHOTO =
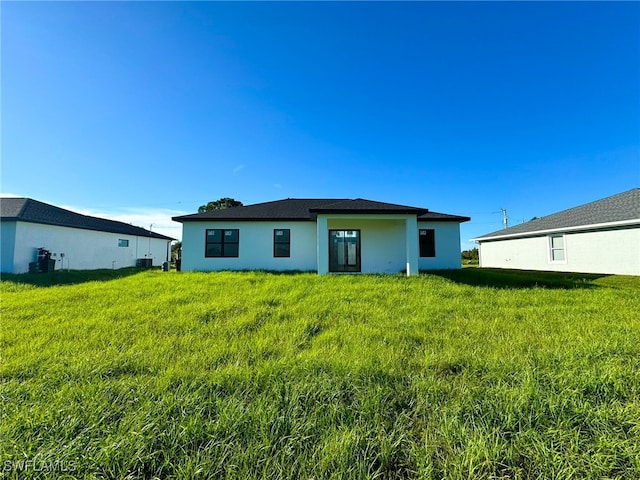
501,278
278,272
70,277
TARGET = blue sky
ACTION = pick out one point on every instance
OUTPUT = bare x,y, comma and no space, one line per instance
140,111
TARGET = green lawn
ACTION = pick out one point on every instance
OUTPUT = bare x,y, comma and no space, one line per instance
472,374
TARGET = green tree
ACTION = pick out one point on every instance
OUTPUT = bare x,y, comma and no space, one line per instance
176,250
220,204
471,256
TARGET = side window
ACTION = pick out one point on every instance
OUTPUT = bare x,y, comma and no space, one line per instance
556,248
282,242
222,243
427,241
123,242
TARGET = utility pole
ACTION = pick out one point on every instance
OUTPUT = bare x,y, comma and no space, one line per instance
150,227
505,218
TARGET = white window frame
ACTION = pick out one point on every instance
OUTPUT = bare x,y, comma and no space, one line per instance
551,249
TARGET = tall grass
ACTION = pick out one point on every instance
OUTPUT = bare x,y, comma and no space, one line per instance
473,374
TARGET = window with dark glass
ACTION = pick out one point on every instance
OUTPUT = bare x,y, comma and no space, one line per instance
282,242
222,243
123,242
427,238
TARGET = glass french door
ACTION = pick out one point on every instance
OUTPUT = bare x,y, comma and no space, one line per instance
344,251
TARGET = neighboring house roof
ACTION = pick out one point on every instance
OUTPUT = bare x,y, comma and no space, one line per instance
305,209
33,211
617,210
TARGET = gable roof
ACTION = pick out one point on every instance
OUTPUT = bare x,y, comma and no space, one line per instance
33,211
305,209
620,209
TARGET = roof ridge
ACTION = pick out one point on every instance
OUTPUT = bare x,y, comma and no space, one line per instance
24,205
294,198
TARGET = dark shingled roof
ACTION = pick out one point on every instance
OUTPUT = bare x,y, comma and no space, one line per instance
305,209
33,211
442,217
617,208
360,205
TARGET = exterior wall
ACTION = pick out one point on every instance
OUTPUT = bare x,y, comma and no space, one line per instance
255,247
83,249
448,253
8,238
383,247
609,252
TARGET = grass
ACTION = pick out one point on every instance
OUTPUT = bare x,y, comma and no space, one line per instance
473,374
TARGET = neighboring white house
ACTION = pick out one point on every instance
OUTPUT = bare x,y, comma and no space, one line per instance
325,235
598,237
74,241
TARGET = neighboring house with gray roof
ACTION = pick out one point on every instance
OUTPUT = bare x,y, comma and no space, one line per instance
598,237
74,241
324,235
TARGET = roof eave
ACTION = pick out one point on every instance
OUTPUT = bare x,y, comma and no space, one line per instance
313,216
239,219
455,220
156,236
